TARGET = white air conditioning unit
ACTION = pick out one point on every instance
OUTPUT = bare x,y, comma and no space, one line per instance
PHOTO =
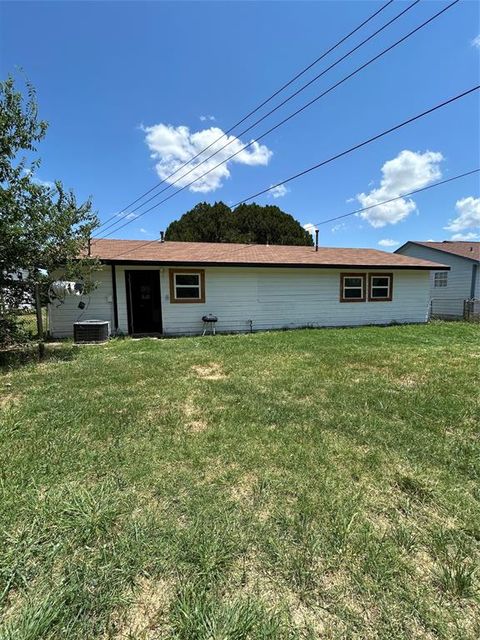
91,331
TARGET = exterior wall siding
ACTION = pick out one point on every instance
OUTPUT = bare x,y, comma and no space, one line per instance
288,298
98,306
271,298
476,292
447,302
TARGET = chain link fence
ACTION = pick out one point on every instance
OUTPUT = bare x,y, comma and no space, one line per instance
471,310
18,318
455,309
27,321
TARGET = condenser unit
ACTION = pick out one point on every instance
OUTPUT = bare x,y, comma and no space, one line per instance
91,331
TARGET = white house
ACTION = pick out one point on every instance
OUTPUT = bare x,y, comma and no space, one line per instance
449,289
166,288
13,291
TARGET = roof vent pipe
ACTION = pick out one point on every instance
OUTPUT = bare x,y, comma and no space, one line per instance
162,236
316,239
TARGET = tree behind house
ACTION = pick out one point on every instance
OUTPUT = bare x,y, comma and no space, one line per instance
248,223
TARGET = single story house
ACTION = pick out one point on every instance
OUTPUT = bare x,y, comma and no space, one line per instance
166,287
449,289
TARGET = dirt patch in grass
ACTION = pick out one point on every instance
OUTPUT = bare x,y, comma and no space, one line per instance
410,380
210,371
251,581
147,617
423,564
8,399
197,426
194,420
243,490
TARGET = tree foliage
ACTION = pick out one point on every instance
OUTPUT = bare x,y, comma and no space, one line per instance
248,223
42,227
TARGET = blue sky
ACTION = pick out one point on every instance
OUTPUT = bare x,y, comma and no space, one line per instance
120,81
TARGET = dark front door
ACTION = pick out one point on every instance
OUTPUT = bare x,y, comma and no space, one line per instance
143,301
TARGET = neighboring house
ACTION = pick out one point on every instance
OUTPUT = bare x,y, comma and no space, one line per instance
449,290
166,288
9,295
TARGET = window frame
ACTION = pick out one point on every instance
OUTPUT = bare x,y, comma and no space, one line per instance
362,276
173,273
387,298
440,273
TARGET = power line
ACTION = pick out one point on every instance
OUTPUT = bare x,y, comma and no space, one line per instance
350,213
264,134
266,115
348,151
405,195
262,104
362,144
308,104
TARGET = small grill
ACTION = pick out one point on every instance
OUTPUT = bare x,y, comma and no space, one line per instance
91,331
209,322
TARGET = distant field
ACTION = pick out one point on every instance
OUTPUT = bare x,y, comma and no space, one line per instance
291,485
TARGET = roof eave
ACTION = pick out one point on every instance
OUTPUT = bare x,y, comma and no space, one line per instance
172,263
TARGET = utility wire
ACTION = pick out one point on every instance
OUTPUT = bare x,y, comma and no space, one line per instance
249,144
362,144
262,104
266,115
405,195
346,152
308,104
345,215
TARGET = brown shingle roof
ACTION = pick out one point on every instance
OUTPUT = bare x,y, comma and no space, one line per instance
204,253
459,248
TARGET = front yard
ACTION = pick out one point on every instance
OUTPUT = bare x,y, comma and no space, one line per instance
307,484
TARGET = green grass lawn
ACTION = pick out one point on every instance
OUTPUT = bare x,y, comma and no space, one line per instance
305,484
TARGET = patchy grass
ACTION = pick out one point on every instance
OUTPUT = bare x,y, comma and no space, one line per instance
276,486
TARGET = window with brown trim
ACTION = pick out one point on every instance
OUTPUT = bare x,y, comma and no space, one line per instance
187,285
380,287
352,287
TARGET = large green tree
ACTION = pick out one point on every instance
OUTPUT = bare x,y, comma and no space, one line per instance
42,227
248,223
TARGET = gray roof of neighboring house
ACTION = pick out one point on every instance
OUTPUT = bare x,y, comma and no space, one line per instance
461,248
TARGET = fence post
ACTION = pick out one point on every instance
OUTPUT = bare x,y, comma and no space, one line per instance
38,309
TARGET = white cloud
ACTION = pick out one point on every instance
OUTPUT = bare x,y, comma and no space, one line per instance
338,227
35,180
129,216
468,210
476,42
279,192
43,183
410,170
465,236
173,146
205,118
310,228
387,242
